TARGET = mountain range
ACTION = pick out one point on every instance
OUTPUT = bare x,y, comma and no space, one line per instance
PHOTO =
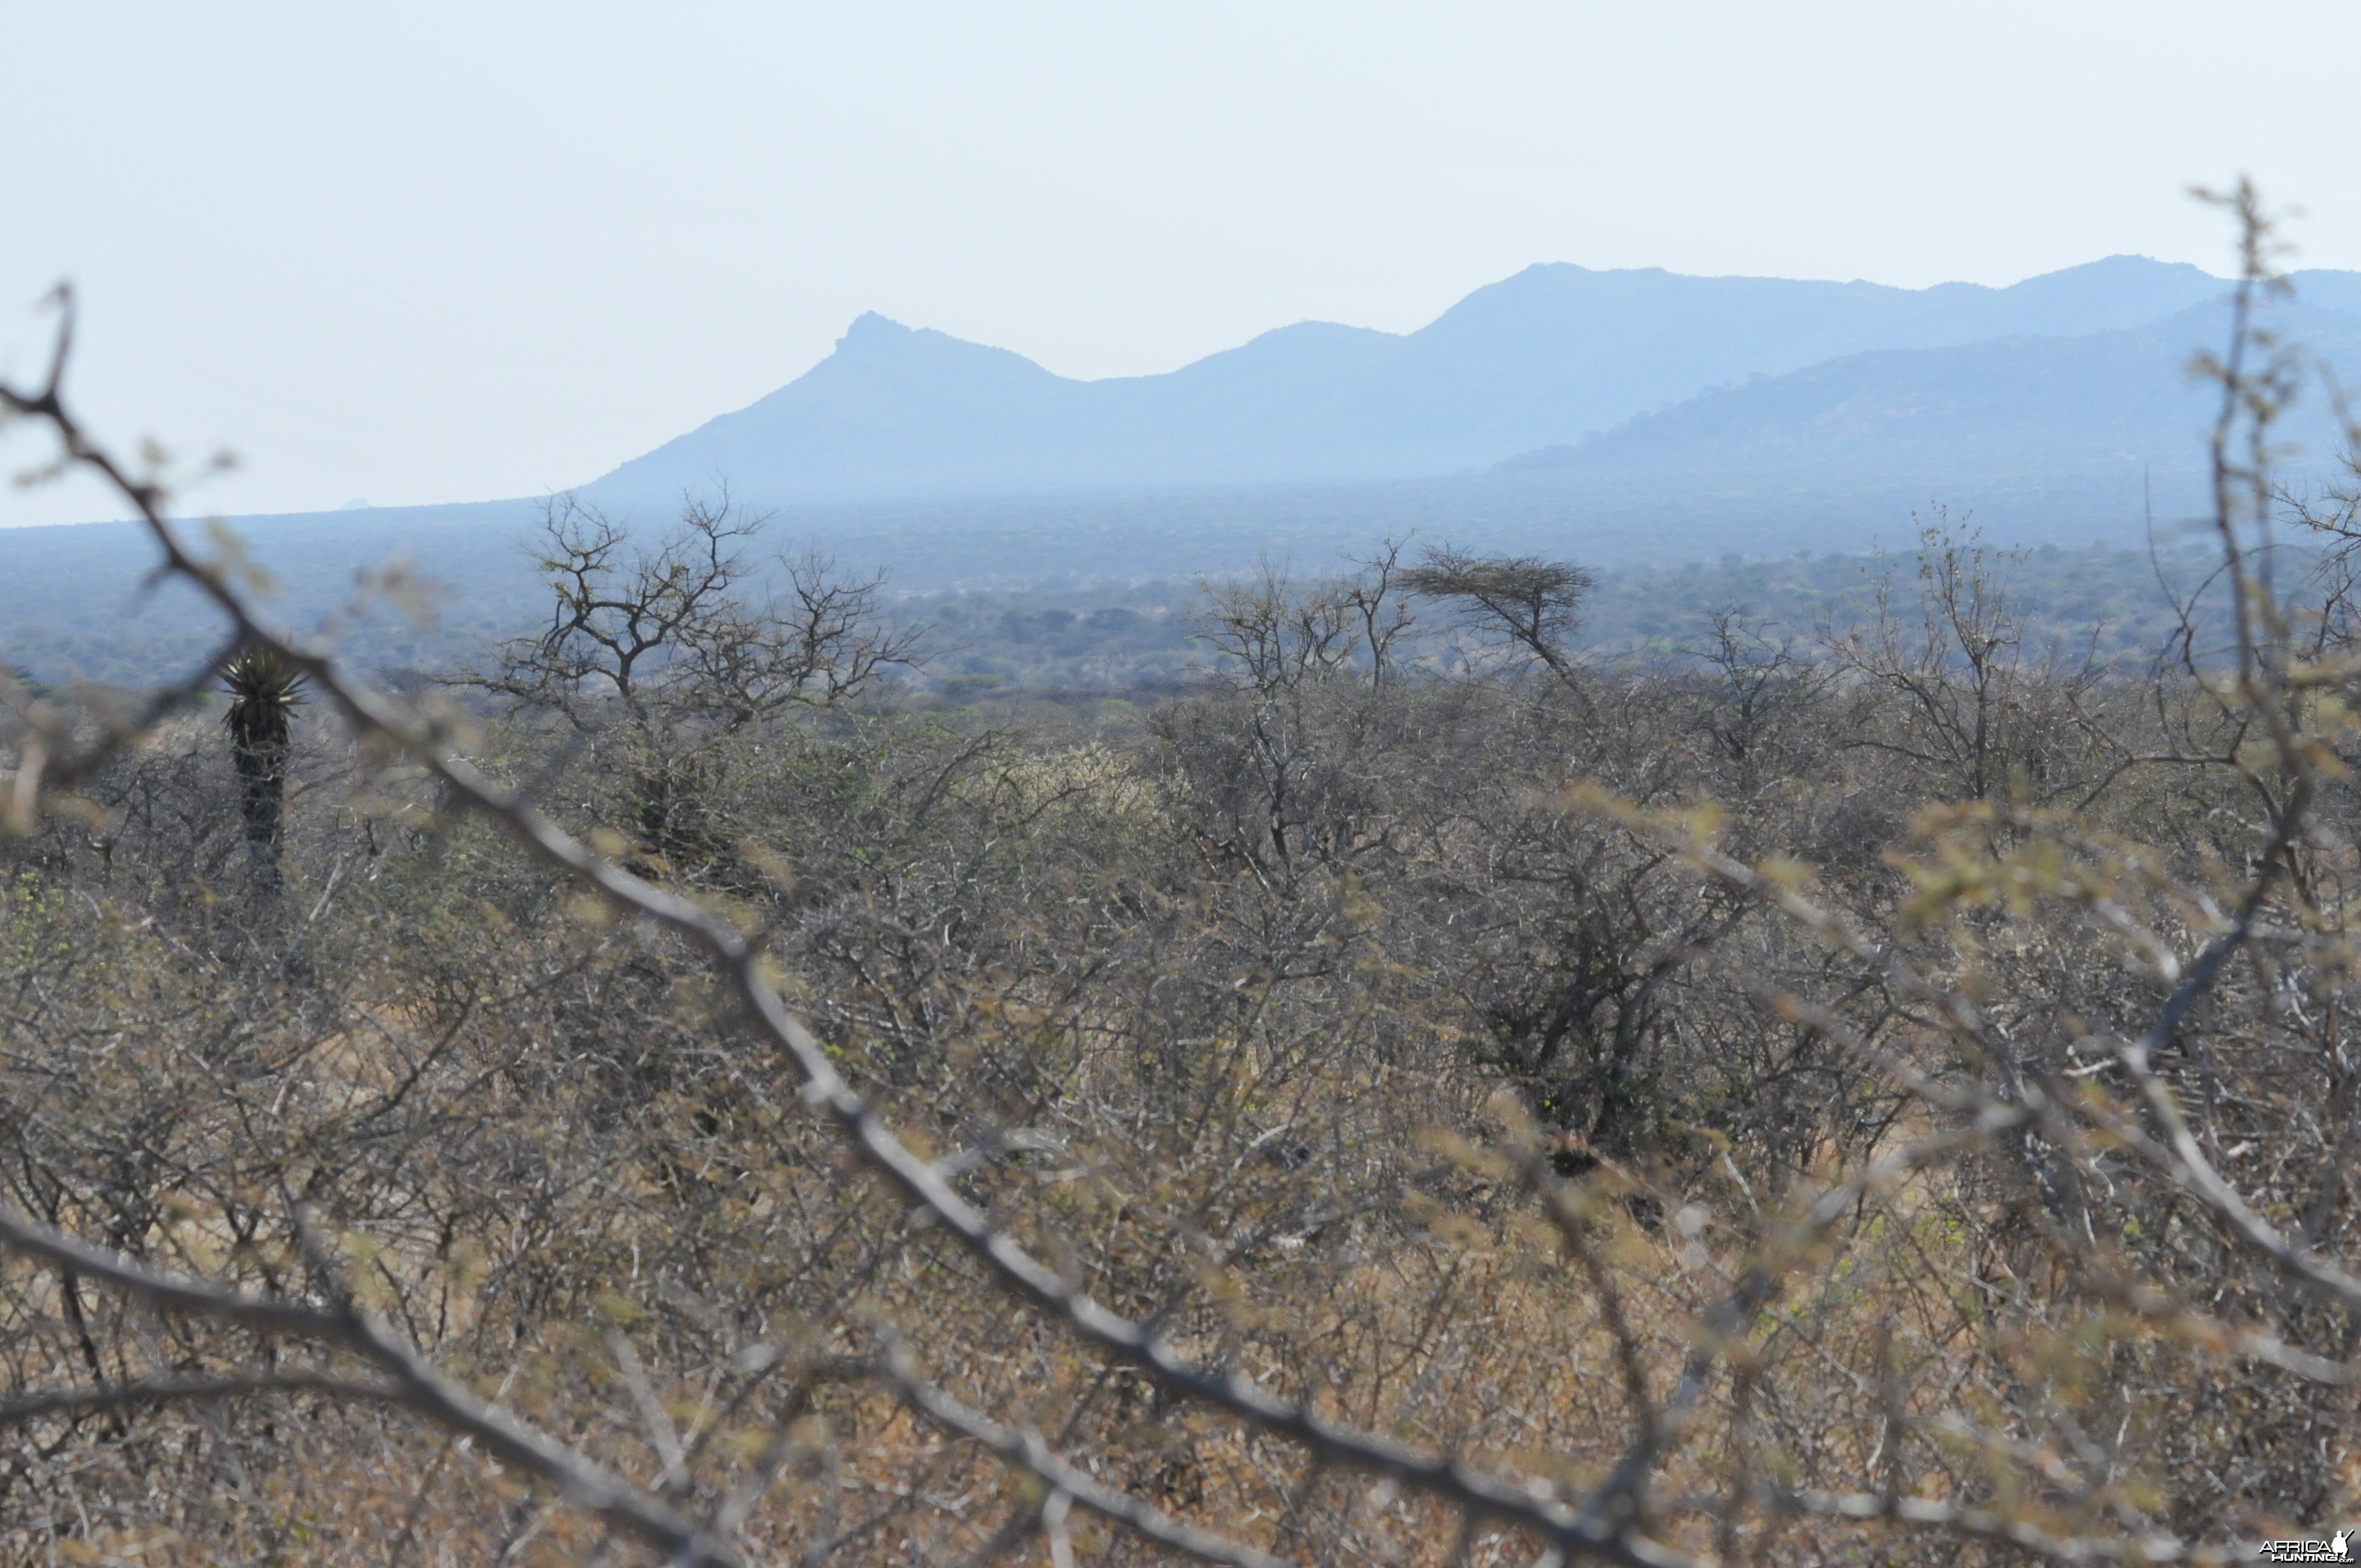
1610,368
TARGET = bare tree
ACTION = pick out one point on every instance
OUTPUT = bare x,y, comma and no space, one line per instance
1960,694
689,626
1276,632
1760,687
663,659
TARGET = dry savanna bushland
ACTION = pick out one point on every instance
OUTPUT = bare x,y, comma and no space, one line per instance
1882,1092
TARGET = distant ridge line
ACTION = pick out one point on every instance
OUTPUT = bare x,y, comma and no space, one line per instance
1548,357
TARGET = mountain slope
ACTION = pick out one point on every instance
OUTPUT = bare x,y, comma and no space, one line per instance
2116,402
1545,357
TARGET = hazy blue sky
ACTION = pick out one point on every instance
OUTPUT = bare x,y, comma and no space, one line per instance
428,252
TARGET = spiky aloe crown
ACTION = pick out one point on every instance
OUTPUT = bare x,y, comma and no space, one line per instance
266,686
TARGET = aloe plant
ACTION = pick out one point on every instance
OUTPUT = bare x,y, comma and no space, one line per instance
266,687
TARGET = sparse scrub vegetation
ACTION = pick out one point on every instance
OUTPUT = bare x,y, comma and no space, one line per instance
1875,1088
